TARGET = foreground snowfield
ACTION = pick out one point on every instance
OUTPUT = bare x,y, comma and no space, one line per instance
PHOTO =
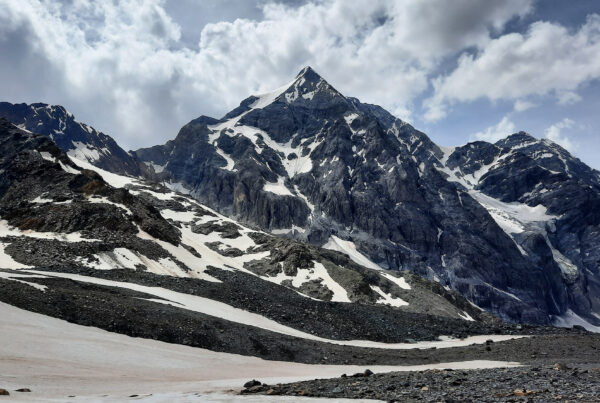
57,359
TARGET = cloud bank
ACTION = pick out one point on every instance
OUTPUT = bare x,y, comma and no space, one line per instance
546,59
125,62
123,66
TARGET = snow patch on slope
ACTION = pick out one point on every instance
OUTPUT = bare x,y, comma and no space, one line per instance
103,200
122,258
513,218
227,158
568,268
465,315
47,156
399,281
350,118
16,277
278,188
388,299
157,168
114,180
83,152
41,200
7,230
178,187
349,248
7,262
319,273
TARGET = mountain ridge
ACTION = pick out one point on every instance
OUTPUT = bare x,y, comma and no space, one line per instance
74,137
299,141
307,162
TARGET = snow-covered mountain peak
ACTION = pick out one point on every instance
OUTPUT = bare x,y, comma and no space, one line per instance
516,139
308,72
303,89
57,111
308,83
300,91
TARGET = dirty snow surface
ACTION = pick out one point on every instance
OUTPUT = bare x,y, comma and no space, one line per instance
57,359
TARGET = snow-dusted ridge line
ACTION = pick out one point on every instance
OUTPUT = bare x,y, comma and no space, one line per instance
227,312
267,98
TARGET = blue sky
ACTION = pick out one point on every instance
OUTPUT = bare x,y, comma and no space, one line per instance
460,71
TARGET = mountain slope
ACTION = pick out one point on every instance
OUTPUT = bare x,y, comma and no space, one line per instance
75,138
100,249
306,161
512,226
547,201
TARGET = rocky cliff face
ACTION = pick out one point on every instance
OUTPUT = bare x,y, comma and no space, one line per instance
75,138
308,162
547,201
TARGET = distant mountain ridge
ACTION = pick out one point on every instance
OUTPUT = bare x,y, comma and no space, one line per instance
512,226
75,138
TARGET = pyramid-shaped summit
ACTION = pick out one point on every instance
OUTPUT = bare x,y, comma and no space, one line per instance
307,84
309,74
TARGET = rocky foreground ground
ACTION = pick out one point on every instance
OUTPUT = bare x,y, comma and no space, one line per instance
537,383
555,368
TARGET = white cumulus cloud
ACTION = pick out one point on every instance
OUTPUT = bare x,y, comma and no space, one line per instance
496,132
523,105
556,133
547,59
123,67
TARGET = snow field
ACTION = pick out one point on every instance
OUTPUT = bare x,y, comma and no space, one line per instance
104,366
